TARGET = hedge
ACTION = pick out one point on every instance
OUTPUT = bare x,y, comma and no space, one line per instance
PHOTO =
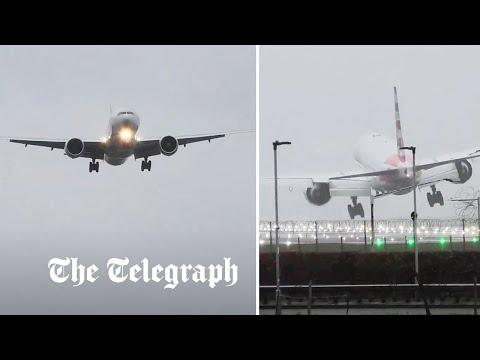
370,268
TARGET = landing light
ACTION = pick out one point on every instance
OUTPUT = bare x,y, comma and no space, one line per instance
126,135
104,140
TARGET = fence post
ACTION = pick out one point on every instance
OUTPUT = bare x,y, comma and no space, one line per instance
310,297
475,294
385,242
341,243
278,310
316,237
422,295
365,234
298,239
406,245
451,243
463,232
271,244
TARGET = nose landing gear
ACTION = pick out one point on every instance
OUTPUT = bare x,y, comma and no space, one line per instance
356,209
146,165
94,166
435,197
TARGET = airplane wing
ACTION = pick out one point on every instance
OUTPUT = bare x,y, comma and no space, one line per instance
420,185
146,148
352,187
418,167
357,184
93,149
189,140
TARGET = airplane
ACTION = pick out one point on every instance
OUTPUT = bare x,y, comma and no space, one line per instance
120,144
387,170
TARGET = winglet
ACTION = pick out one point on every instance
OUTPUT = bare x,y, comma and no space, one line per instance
398,125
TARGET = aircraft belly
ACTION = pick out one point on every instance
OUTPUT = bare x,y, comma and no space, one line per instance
117,154
114,161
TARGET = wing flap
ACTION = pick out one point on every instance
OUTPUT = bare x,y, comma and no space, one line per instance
146,148
92,150
336,187
50,144
189,140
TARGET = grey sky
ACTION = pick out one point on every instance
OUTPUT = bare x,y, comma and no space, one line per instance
195,207
322,98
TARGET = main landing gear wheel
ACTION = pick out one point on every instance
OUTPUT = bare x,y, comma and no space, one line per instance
94,166
355,209
435,197
146,165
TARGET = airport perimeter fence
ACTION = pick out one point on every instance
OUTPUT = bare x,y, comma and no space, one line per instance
357,235
304,299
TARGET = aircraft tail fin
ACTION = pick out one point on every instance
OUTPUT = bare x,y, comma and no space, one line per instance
398,124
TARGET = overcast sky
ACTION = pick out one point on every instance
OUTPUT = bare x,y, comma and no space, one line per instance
322,98
195,207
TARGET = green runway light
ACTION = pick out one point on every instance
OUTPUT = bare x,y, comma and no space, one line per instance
474,240
410,241
379,242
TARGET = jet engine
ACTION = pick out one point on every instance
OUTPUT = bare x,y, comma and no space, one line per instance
168,145
319,194
74,148
464,169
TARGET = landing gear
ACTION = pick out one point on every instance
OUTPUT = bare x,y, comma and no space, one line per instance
356,209
435,197
146,165
94,166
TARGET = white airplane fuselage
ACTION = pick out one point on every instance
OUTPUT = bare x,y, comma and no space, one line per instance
120,144
375,152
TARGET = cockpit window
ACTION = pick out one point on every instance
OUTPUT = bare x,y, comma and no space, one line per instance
125,113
